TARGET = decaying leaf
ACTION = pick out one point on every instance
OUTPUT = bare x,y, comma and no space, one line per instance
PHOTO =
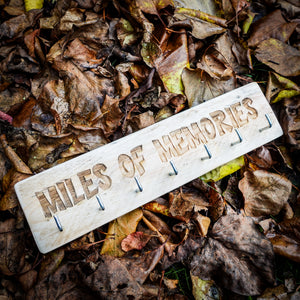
271,26
12,246
118,230
236,256
200,86
279,56
265,193
205,289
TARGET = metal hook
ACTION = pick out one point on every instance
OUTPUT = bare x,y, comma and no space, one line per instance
269,121
174,169
100,202
58,224
240,137
138,184
208,153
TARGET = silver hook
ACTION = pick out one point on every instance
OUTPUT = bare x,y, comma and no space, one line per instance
269,121
208,153
174,169
58,224
100,202
240,137
138,184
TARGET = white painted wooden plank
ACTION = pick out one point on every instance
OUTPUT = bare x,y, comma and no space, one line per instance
109,171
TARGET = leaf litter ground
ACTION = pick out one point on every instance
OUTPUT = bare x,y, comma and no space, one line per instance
76,75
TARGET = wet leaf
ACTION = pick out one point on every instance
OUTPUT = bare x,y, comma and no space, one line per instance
201,29
9,200
280,87
118,278
14,27
285,241
205,289
51,263
271,26
201,15
200,87
118,230
236,256
265,193
279,56
12,246
136,240
19,165
172,61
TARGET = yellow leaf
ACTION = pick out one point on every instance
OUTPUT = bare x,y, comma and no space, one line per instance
118,230
33,4
224,170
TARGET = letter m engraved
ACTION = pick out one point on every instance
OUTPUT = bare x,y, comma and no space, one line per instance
50,207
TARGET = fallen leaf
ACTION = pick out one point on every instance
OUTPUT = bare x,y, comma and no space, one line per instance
118,230
9,200
205,289
261,157
202,223
19,165
201,29
136,240
224,170
118,278
271,26
12,247
265,193
50,263
236,256
200,86
285,241
173,59
282,58
14,27
290,121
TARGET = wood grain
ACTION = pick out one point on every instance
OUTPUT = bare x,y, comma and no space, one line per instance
195,141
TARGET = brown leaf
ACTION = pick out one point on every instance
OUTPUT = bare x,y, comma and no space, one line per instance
236,257
118,230
285,241
112,115
279,56
28,279
216,202
271,26
12,247
265,193
9,199
14,27
136,240
201,29
119,278
19,165
50,263
202,223
59,285
200,86
76,17
290,120
261,157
